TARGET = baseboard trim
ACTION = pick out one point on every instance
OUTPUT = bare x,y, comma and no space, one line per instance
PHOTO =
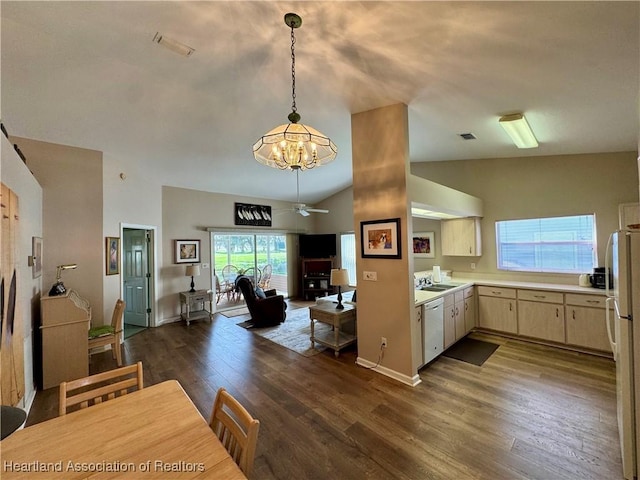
400,377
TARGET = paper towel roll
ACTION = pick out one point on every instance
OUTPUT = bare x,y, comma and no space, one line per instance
436,274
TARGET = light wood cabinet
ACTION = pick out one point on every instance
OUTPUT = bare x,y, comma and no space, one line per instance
497,309
586,322
449,320
541,315
461,237
469,309
64,336
459,315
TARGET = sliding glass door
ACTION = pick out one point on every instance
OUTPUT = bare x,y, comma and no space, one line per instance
263,257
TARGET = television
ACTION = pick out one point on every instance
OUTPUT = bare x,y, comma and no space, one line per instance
321,245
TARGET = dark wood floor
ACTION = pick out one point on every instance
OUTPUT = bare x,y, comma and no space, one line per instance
530,412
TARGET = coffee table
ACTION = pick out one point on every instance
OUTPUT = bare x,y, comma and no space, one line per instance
327,313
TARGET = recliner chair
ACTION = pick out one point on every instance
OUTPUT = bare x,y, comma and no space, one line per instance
265,312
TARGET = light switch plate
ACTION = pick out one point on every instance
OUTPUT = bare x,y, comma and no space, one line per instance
371,276
205,266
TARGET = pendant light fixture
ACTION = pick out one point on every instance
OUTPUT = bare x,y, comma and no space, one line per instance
294,146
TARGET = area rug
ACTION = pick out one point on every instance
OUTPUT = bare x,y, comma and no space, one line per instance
471,351
293,334
236,312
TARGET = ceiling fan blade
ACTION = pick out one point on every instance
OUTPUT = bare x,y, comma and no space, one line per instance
317,210
303,212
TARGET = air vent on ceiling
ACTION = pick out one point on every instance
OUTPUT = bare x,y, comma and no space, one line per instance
468,136
173,45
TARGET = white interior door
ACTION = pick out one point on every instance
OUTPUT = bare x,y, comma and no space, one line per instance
135,277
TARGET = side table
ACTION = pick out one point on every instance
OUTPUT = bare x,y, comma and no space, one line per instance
193,305
329,314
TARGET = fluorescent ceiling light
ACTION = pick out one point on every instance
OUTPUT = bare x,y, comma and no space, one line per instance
519,130
173,45
423,213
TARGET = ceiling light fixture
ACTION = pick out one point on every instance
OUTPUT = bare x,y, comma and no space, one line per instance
519,130
294,146
173,45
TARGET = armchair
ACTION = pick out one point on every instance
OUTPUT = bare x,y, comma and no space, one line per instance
265,312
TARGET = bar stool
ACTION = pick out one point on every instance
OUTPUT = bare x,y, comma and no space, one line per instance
11,419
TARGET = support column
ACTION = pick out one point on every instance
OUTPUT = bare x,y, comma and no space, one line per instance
380,143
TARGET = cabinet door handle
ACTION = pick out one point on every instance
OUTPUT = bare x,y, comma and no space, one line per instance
457,311
540,296
557,313
496,292
469,249
510,307
466,307
597,302
574,314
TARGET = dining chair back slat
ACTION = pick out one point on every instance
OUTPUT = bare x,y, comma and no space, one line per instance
236,429
94,389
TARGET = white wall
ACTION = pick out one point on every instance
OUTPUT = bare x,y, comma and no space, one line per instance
16,175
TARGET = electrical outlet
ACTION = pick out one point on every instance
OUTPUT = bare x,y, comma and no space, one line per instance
371,276
473,266
383,342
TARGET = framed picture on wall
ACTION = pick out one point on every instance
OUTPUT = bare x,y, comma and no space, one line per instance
423,245
381,238
187,251
112,252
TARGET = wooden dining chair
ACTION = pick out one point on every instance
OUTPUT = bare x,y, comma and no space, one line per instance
236,429
109,334
88,391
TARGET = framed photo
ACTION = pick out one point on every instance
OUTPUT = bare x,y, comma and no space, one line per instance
187,251
36,257
381,238
423,245
112,252
254,215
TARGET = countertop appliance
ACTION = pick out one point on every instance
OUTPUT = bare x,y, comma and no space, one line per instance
433,329
623,257
599,278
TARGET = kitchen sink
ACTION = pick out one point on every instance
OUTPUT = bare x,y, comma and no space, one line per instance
439,287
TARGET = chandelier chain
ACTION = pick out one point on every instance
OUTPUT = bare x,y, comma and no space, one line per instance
293,71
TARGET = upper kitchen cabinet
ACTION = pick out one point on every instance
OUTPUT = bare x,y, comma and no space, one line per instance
461,237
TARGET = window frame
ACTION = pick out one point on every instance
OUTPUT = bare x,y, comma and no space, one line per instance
541,248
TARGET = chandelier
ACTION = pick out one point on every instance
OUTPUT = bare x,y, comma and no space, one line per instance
294,146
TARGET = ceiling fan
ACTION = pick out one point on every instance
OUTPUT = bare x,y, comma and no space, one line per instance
301,208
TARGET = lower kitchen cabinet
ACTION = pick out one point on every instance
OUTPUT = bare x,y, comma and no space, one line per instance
586,322
449,320
497,309
469,309
541,315
458,310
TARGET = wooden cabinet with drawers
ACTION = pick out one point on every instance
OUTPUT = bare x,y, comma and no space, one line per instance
586,321
497,309
541,315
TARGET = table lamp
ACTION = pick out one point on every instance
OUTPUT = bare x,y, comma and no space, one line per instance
192,271
339,277
58,287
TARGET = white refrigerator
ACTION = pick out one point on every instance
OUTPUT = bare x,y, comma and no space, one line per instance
623,327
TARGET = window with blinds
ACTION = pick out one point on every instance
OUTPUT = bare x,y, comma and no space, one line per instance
348,255
555,244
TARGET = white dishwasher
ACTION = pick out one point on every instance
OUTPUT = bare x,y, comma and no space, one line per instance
433,329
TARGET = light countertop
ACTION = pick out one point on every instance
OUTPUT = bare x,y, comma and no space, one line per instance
423,296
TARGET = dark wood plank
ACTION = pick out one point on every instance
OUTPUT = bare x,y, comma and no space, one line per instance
530,411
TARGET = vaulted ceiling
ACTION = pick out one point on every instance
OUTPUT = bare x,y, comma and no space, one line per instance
88,74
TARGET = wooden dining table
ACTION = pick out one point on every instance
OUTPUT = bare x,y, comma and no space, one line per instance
156,432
